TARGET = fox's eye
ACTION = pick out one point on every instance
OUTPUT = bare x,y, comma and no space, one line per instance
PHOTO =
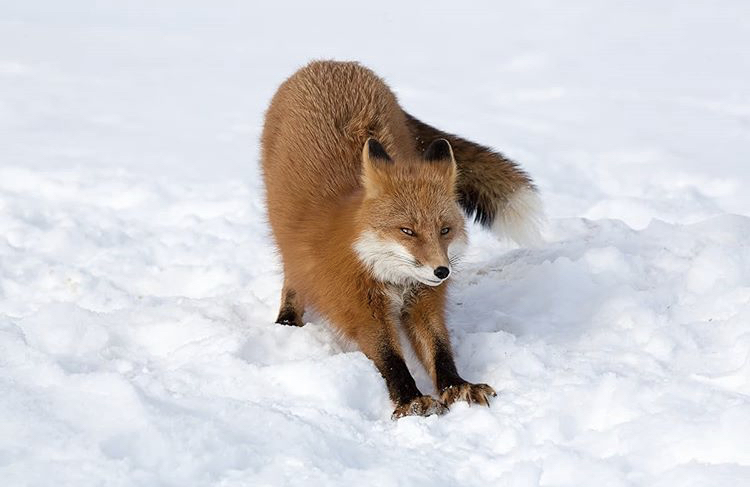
408,231
445,230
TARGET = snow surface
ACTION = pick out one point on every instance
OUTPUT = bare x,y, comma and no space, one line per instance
138,286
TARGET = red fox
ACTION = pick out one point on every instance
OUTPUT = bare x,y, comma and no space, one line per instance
365,204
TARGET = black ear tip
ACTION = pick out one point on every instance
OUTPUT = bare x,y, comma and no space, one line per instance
376,150
438,150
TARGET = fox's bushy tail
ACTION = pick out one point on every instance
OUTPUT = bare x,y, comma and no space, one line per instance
492,189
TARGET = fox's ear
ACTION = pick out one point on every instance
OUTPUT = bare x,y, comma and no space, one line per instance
375,160
441,152
373,150
438,150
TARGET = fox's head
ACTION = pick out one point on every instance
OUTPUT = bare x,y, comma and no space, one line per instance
412,226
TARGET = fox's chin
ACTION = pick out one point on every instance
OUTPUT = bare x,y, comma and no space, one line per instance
431,282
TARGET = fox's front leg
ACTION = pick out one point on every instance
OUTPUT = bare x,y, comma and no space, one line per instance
423,319
402,388
380,343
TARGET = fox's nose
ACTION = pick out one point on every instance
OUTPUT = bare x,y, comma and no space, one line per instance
442,272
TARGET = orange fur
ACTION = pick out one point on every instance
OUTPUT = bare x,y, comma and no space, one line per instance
345,183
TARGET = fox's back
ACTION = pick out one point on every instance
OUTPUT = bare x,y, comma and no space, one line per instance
313,135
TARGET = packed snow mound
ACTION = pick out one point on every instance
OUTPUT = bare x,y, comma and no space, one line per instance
137,344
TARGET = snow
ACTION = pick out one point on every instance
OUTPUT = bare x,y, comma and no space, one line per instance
138,286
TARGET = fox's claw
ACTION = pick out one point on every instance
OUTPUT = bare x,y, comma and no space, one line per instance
420,406
471,393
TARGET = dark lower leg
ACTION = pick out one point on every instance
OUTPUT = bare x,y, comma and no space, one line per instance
292,308
451,386
446,374
401,386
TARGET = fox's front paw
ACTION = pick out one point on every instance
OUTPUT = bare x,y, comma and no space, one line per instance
471,393
420,406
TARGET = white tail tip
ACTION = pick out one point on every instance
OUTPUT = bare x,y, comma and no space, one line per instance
520,218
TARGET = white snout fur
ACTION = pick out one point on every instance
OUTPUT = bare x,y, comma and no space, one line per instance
390,261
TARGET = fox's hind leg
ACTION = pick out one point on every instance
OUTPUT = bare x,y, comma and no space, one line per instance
292,307
423,321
